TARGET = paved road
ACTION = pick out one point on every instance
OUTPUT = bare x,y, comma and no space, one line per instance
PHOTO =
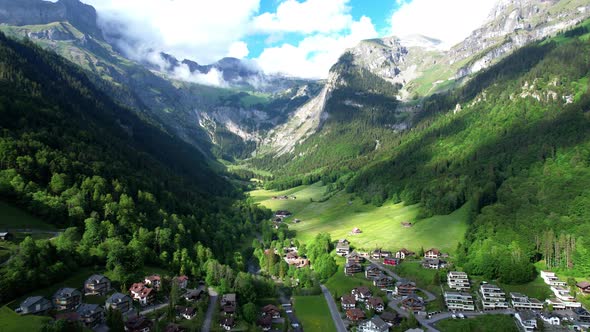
429,296
153,308
286,302
209,315
340,327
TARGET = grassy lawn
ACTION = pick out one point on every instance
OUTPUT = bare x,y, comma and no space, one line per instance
15,218
314,313
486,323
12,322
340,284
381,226
537,289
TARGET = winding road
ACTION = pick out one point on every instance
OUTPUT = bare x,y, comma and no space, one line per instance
340,327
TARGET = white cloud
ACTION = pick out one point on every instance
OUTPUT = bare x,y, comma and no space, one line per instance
307,17
450,21
197,29
314,55
238,50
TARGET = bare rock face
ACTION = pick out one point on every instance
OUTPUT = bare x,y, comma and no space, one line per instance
513,24
39,12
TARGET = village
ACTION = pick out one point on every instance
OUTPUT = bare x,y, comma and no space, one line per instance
381,302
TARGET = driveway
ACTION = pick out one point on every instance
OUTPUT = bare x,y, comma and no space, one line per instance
286,303
209,315
340,327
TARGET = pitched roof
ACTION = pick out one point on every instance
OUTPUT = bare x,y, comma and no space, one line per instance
388,316
348,299
583,284
66,292
86,309
118,297
231,297
379,323
375,301
434,251
355,313
96,278
31,300
362,290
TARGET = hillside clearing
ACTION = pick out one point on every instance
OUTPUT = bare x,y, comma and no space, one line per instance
381,226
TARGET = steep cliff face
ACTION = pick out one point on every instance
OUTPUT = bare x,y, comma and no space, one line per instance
36,12
513,24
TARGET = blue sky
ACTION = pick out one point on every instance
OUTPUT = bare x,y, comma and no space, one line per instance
301,38
379,11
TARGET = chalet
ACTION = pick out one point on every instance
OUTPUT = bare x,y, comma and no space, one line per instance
348,302
356,231
405,287
550,318
492,297
265,323
458,281
378,253
227,323
293,259
372,271
584,287
343,248
154,281
271,311
551,279
283,214
97,284
138,324
361,293
34,305
413,303
119,301
91,314
144,295
404,253
193,295
181,281
352,268
375,303
390,318
523,302
432,253
67,299
355,314
375,324
582,315
382,281
354,257
391,261
527,320
456,301
228,304
185,312
406,224
6,236
433,263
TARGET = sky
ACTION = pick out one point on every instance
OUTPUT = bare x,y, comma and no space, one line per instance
301,38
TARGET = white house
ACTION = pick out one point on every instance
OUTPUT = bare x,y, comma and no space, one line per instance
458,280
523,302
375,324
492,297
459,301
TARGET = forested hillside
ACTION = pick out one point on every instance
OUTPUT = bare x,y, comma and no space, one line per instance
126,192
517,145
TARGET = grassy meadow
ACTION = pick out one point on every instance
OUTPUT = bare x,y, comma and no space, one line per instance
14,218
486,323
314,313
381,226
13,322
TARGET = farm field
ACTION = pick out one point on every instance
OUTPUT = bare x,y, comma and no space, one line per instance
314,313
380,226
12,322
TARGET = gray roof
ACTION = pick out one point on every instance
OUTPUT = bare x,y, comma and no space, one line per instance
527,315
96,278
379,323
31,301
66,292
118,297
88,309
